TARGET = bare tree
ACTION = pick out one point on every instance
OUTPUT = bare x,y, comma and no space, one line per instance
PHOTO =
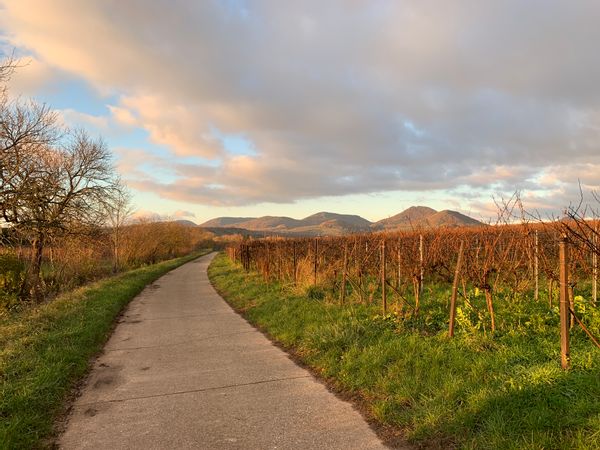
51,189
26,130
118,210
7,67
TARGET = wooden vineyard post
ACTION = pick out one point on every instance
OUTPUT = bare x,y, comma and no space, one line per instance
563,249
421,265
536,266
315,260
455,289
595,266
383,277
345,271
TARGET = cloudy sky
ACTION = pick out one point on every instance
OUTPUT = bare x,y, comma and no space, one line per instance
241,107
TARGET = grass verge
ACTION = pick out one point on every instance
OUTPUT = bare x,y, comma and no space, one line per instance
503,391
45,350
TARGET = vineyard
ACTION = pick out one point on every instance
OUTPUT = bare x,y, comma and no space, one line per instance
495,279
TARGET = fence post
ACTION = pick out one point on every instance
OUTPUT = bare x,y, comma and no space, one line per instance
536,267
345,270
455,289
422,269
595,266
383,277
563,249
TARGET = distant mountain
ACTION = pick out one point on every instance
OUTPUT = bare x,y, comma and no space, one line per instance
332,224
224,222
449,218
341,219
270,223
425,217
407,218
227,231
319,224
333,227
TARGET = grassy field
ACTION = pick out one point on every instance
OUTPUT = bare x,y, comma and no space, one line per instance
478,390
46,350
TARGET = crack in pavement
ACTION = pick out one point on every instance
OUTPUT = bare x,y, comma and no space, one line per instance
175,344
191,316
191,391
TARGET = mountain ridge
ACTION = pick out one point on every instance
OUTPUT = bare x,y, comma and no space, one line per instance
332,224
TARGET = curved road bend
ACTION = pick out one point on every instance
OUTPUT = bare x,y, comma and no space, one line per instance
183,370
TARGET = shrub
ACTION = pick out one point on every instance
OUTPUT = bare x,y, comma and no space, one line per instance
12,276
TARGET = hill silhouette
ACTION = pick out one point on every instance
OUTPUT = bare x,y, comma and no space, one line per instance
333,224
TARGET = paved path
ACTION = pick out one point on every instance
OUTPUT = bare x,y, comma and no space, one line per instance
182,370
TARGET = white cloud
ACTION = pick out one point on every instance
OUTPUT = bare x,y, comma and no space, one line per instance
182,214
123,116
32,77
338,97
77,119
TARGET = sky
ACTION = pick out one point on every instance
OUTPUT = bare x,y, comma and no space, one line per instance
249,108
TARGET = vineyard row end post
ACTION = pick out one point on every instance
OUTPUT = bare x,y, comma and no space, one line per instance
421,264
595,266
536,266
563,247
383,277
455,290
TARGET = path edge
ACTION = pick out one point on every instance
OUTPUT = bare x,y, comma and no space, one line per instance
62,418
390,436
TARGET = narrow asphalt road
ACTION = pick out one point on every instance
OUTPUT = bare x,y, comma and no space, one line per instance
182,370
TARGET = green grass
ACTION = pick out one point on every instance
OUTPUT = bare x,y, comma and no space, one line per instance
478,390
46,350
